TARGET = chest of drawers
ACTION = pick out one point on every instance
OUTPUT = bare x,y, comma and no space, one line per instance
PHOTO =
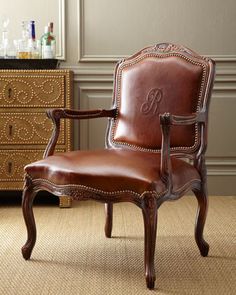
25,129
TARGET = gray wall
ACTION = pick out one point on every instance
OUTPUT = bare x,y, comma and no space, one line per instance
99,32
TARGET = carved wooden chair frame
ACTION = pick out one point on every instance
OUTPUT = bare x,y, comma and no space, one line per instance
149,201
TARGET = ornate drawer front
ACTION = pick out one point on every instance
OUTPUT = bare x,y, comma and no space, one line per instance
32,90
27,128
12,164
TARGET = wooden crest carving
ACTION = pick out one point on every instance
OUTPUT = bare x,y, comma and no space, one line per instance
168,48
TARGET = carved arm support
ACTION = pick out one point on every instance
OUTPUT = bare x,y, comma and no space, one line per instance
166,120
57,114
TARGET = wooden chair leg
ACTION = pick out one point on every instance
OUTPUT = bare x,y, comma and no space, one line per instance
27,202
200,221
149,210
109,217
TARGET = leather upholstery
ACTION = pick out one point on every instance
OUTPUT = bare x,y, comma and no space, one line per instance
154,84
111,170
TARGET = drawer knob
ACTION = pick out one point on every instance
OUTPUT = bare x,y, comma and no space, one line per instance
10,130
9,92
9,167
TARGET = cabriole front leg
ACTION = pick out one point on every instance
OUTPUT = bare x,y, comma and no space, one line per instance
27,202
200,220
149,210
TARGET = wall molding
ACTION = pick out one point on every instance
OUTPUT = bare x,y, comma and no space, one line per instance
87,94
222,58
115,58
221,166
221,172
61,39
87,58
80,17
89,73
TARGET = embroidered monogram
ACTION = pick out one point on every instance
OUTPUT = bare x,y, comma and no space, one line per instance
152,101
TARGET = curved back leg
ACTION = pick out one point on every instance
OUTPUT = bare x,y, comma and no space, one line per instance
27,202
202,199
109,217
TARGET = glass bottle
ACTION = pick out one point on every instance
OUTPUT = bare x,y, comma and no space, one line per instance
23,48
32,43
53,42
48,43
5,43
5,40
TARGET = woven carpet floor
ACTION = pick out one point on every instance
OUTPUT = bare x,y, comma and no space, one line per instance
72,255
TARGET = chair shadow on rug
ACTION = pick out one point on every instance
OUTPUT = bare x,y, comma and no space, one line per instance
155,145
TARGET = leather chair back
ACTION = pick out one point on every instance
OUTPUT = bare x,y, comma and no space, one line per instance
158,79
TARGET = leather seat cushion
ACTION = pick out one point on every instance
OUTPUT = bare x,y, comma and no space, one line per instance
111,170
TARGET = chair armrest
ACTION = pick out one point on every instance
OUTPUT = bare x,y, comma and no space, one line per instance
57,114
199,117
166,120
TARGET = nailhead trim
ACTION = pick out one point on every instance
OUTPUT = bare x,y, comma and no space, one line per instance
29,130
31,78
98,191
94,190
24,97
129,63
19,159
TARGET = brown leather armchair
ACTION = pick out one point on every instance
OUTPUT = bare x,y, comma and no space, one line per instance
158,120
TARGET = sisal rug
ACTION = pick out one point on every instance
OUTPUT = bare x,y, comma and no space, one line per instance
72,255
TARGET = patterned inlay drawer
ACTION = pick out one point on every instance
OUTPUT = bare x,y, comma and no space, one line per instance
27,128
12,164
32,90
